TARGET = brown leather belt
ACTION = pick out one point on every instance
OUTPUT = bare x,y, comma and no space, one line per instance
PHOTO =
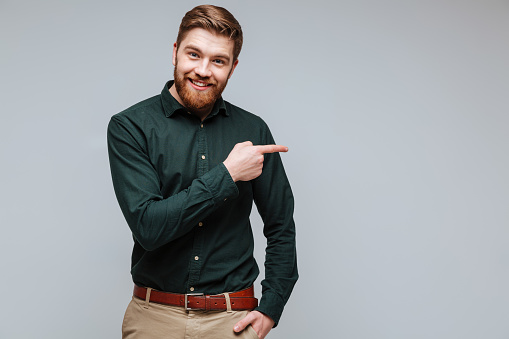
241,300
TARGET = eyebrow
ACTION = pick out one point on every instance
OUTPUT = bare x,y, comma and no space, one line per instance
195,48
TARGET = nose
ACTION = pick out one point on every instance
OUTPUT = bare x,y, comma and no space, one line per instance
202,69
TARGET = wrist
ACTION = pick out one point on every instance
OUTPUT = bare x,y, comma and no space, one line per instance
230,171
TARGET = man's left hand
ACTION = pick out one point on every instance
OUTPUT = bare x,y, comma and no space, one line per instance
261,323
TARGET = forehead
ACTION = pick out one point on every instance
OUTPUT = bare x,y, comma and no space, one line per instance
207,42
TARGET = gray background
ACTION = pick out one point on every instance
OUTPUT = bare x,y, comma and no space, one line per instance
396,115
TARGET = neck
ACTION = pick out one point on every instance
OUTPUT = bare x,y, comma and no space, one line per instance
201,115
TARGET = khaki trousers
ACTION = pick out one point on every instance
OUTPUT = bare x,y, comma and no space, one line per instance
149,320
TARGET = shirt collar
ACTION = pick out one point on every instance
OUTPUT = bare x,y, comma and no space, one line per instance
171,105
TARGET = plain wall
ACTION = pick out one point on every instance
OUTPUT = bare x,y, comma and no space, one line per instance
396,115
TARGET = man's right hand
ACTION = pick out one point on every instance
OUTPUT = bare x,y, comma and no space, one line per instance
245,161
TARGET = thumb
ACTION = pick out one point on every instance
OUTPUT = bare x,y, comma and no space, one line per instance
241,325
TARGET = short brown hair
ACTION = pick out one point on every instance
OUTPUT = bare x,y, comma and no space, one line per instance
212,18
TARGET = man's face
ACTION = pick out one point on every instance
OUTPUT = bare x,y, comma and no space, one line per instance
203,65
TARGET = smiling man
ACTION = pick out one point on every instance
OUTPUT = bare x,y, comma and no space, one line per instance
186,168
197,86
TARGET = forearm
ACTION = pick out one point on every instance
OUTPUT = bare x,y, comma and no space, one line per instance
281,272
155,221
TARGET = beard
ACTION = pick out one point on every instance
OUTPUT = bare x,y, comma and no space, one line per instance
196,101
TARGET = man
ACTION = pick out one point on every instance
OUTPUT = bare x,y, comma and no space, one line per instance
186,167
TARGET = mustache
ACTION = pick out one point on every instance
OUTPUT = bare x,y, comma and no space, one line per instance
203,79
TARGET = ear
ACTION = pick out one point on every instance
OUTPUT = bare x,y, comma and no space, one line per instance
233,68
174,58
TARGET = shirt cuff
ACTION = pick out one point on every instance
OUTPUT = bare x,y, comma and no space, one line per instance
220,184
271,305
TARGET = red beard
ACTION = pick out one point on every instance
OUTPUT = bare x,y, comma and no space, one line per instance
197,101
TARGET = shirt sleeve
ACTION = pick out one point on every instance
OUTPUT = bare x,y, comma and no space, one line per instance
153,219
274,200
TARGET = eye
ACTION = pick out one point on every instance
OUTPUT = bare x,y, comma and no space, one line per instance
218,61
193,55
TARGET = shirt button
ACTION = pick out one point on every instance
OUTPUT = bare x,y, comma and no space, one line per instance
196,258
203,157
200,224
191,289
201,125
225,199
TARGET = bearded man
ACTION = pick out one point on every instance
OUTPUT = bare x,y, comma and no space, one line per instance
186,168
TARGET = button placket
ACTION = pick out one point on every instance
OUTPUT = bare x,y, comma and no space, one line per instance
195,264
203,161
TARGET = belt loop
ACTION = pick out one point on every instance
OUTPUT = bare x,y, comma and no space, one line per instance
228,304
147,297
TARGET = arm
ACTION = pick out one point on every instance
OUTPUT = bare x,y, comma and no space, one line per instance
153,219
274,200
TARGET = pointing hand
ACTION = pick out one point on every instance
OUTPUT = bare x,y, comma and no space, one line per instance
245,161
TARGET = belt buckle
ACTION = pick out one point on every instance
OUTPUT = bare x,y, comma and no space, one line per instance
186,301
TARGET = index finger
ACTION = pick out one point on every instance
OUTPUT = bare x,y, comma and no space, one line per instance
271,148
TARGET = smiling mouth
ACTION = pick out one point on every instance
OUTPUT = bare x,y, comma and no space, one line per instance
199,83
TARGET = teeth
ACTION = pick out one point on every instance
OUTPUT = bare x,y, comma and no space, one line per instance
197,83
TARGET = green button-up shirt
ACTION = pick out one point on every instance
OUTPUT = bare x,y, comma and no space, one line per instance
189,219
